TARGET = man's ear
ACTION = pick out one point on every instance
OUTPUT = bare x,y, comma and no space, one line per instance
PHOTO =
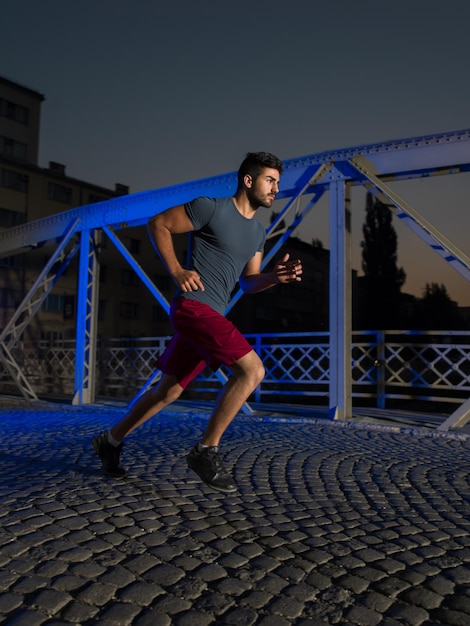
248,180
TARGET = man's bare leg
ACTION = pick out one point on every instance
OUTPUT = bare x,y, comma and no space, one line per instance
109,445
151,403
248,372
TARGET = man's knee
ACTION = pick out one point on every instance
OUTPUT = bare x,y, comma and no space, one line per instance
169,390
251,367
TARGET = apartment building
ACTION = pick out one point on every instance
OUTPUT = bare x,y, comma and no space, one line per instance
28,192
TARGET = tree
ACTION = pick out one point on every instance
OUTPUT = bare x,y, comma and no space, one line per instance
436,310
383,280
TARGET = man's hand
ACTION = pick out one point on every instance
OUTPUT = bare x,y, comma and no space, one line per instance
287,271
188,280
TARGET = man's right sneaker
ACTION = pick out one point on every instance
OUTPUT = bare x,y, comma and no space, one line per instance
209,467
109,456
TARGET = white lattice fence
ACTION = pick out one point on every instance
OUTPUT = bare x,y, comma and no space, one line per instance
393,365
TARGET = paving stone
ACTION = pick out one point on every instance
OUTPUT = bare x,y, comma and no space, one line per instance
164,574
171,604
287,607
28,618
240,617
376,601
194,618
318,581
450,617
79,612
274,620
441,585
88,570
50,601
391,586
10,601
264,562
140,593
300,591
272,583
210,572
419,596
122,613
255,599
459,602
363,616
152,618
407,614
353,583
96,594
291,573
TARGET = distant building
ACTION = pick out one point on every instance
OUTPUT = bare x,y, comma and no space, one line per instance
299,307
29,192
126,307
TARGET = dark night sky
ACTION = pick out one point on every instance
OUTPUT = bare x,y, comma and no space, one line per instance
150,94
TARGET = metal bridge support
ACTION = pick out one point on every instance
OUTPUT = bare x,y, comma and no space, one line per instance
13,331
340,404
87,318
459,418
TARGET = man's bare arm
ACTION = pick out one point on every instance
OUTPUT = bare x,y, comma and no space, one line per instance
161,229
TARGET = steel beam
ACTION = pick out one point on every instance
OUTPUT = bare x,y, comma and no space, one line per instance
404,158
340,403
459,418
87,316
416,222
42,286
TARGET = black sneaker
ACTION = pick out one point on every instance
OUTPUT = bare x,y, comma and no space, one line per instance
209,467
109,456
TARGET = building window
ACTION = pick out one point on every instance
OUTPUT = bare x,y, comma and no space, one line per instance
59,193
129,310
14,262
9,218
159,314
14,180
14,111
129,277
92,198
163,282
13,149
54,303
101,310
133,245
9,298
51,336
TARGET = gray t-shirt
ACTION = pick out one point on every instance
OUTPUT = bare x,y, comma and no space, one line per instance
220,246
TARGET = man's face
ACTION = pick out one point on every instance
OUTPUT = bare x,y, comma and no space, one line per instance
263,190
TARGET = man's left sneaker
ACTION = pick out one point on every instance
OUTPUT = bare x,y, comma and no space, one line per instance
209,467
109,456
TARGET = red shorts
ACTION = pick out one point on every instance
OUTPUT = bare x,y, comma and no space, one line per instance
202,337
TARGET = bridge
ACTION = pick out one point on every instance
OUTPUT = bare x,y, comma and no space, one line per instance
305,180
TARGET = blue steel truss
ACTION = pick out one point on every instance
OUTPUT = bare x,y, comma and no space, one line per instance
308,177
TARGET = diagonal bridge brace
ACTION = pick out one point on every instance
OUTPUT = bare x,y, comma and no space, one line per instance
415,222
39,291
431,236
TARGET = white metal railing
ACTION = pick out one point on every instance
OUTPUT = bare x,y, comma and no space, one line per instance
412,365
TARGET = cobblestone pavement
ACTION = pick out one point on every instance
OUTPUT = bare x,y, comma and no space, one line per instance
332,524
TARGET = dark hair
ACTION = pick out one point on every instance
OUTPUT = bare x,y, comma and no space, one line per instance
255,162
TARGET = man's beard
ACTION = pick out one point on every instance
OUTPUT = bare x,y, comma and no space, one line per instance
256,199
